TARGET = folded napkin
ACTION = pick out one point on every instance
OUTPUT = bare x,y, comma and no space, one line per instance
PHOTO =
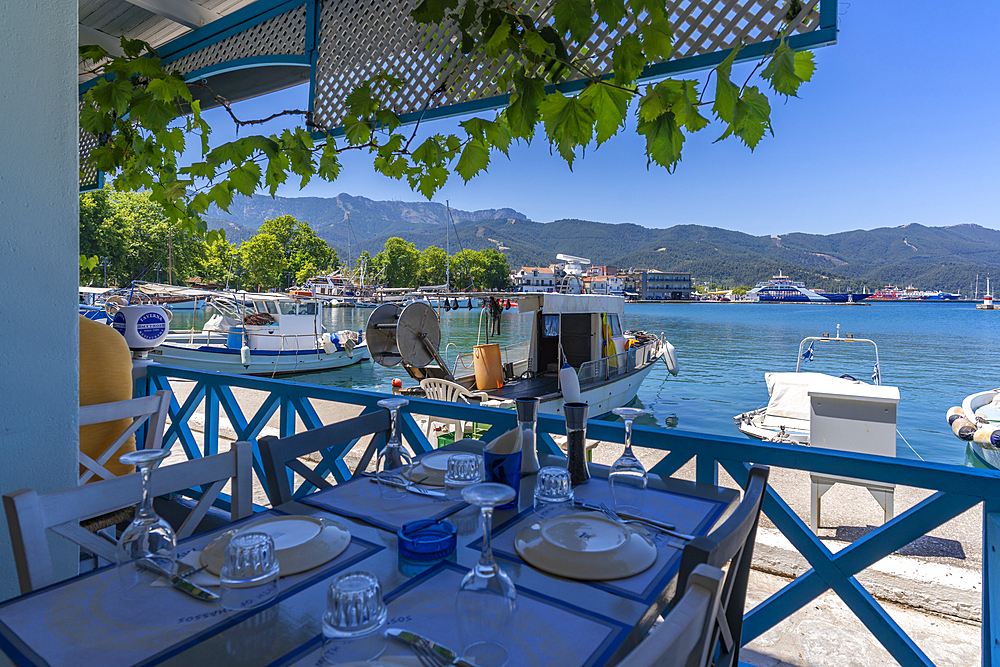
508,443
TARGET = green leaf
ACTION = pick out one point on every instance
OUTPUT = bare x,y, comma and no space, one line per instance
113,95
94,121
153,114
536,43
265,145
726,95
357,131
664,139
628,60
609,105
610,11
88,263
222,194
522,114
432,11
751,118
685,108
386,120
246,178
497,42
658,99
475,127
498,135
569,122
329,162
657,40
475,158
804,65
780,71
575,17
360,101
92,52
231,151
133,47
429,152
276,172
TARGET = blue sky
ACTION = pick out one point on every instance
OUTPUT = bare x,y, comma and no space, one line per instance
898,125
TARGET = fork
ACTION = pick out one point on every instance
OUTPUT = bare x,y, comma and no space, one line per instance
426,655
613,515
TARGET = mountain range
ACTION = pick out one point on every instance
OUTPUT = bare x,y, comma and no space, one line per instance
947,258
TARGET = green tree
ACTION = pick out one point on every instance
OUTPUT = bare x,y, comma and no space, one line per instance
221,257
496,270
263,261
433,266
306,271
134,105
300,245
467,271
400,260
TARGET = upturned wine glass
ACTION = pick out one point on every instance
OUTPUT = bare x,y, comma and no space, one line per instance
486,604
393,462
627,477
148,536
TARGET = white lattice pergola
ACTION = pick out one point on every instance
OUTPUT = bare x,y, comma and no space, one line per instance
243,49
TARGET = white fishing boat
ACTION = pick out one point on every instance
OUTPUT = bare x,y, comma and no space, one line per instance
786,416
577,351
977,422
262,334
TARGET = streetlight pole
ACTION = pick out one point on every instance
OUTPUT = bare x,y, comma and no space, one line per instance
105,261
157,266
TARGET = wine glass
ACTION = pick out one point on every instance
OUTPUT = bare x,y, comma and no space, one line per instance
393,462
148,536
487,600
627,477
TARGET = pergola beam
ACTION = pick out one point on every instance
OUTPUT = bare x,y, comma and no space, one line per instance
109,43
185,12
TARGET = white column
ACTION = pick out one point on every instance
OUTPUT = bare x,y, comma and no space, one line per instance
39,269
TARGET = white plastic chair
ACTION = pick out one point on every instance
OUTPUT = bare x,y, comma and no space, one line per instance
29,515
152,408
682,639
450,392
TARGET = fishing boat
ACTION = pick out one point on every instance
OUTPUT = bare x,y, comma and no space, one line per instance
887,293
782,289
977,422
786,416
577,351
262,334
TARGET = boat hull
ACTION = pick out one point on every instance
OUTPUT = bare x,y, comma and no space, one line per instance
602,398
987,454
262,362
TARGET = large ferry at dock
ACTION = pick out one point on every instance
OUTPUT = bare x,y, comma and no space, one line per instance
782,289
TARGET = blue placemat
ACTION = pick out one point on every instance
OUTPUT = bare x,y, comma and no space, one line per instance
690,514
545,632
360,499
86,622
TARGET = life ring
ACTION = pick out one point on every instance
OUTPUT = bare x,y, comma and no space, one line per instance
670,358
113,304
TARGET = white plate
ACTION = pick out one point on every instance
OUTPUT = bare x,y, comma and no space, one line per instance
585,546
431,468
300,542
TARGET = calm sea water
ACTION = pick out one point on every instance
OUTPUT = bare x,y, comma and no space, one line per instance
936,353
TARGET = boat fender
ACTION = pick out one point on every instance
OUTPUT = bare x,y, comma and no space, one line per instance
569,383
955,413
670,358
335,339
963,428
245,356
988,436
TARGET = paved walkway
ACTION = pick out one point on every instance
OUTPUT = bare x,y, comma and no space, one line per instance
931,587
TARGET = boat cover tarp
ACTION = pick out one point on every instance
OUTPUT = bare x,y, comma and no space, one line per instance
790,392
570,303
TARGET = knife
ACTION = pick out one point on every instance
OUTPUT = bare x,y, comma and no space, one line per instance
411,638
625,515
409,487
180,583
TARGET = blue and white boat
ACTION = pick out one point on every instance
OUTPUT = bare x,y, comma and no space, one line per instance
977,422
782,289
262,334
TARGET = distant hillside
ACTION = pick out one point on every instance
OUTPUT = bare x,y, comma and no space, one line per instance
946,258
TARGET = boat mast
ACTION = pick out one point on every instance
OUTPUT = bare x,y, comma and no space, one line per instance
447,251
350,264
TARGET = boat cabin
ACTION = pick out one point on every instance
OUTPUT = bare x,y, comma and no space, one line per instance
579,325
272,322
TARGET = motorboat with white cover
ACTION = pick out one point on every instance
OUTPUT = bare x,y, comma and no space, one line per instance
786,416
977,422
577,351
262,334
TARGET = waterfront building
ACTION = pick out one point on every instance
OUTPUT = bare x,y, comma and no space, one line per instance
604,284
660,285
534,279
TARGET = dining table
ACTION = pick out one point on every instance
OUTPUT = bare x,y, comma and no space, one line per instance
84,621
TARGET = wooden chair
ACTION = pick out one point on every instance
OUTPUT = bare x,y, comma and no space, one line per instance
449,392
280,456
732,543
682,639
30,514
148,409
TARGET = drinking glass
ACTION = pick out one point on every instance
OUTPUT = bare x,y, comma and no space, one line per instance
354,614
463,470
148,536
553,491
486,604
393,462
249,575
627,477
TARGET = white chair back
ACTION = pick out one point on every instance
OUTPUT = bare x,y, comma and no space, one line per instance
450,392
29,514
682,639
148,409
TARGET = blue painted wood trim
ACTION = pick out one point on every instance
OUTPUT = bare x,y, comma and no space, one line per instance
413,435
707,471
828,14
312,40
671,463
247,63
211,433
991,583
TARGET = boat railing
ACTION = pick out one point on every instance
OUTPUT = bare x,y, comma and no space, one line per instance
611,367
512,353
290,407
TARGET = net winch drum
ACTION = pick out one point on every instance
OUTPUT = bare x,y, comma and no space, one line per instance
410,334
144,327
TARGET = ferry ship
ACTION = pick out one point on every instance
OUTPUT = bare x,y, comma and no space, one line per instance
782,289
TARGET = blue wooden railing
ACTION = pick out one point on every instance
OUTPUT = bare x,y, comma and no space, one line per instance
956,489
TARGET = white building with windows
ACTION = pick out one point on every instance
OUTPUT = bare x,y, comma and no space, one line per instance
535,279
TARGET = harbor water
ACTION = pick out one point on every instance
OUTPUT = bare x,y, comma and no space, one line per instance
935,353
